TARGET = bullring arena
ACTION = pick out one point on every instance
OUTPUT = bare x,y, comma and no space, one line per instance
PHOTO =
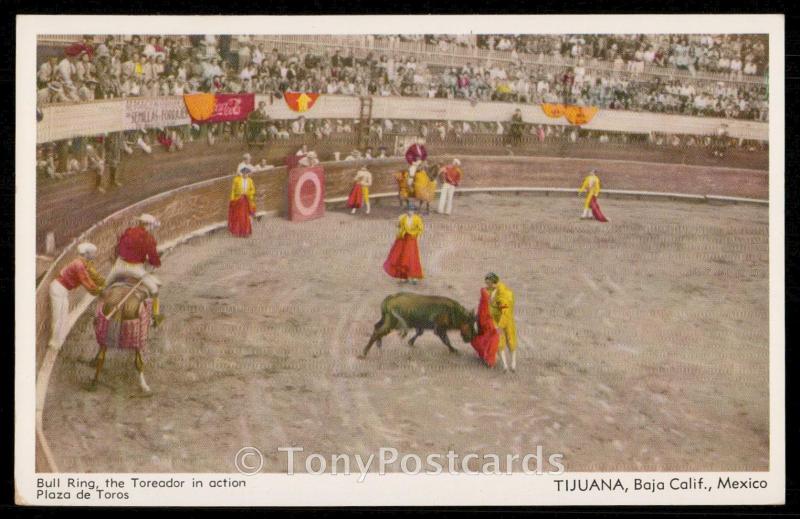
617,368
644,342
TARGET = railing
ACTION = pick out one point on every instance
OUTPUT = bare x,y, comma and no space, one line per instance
69,120
66,39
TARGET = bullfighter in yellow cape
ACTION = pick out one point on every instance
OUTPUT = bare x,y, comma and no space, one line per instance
403,261
242,205
501,308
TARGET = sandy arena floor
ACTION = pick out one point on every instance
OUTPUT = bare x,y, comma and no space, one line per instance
644,344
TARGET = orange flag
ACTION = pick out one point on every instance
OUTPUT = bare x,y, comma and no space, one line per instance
553,110
200,106
580,115
300,101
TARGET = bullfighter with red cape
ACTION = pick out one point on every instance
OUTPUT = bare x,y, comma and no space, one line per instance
591,186
403,261
241,206
360,193
487,340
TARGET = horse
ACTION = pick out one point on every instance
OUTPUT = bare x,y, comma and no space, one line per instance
122,320
422,189
405,310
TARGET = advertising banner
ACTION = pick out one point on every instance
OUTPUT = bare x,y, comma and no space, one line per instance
217,108
154,112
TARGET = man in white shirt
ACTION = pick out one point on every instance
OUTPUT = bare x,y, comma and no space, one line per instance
115,68
244,51
66,70
542,87
179,88
354,155
47,71
258,55
86,90
245,163
363,179
306,157
299,126
736,67
247,72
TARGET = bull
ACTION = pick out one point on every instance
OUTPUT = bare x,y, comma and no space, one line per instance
405,311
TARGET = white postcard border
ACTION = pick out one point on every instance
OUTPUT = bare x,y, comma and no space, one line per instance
395,489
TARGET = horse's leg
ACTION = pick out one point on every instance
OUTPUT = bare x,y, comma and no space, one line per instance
139,361
442,334
99,361
420,331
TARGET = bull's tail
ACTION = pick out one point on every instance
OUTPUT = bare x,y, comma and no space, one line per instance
387,313
386,309
382,327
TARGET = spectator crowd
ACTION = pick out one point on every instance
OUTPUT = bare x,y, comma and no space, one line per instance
604,71
728,54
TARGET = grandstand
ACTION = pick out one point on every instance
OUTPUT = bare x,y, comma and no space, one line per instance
681,120
367,68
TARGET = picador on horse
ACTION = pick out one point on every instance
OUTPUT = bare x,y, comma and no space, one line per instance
415,182
126,307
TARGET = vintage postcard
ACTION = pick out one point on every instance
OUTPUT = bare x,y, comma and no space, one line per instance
400,260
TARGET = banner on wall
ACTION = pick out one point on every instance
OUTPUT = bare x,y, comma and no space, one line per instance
69,120
153,112
577,115
300,101
217,108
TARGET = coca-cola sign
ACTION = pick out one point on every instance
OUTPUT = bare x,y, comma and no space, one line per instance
228,108
231,107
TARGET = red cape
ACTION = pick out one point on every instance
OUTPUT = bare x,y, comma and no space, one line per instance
403,261
239,217
164,140
356,198
488,338
596,212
